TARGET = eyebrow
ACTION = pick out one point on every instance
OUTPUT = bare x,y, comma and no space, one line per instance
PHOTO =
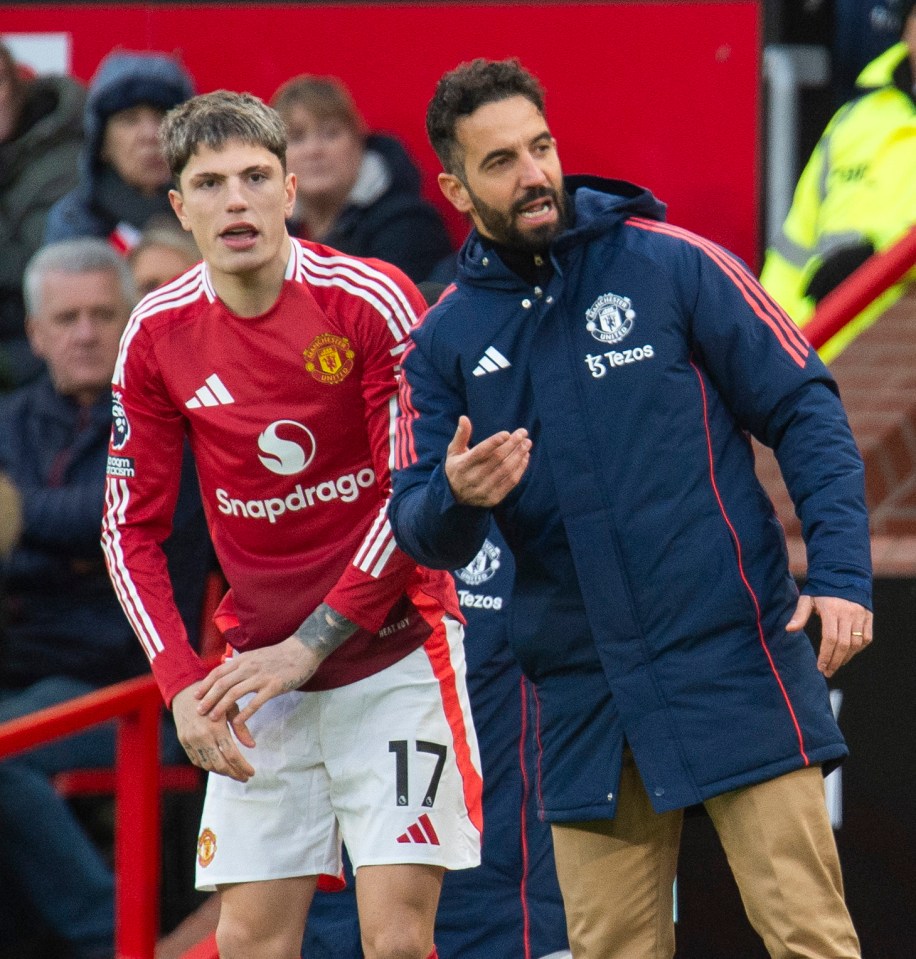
509,151
254,168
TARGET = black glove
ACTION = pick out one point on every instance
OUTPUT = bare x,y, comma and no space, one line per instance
836,267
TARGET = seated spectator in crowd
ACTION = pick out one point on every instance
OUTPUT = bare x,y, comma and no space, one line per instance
856,196
510,906
356,191
41,132
64,631
123,177
163,252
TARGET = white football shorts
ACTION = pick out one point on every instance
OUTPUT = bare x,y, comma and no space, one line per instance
389,764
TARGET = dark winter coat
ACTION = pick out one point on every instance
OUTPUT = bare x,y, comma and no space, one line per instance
386,217
652,585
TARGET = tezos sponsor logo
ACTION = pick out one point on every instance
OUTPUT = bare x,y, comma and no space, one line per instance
482,567
599,365
120,426
610,318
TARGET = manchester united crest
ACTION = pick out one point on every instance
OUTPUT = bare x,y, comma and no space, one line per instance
482,567
329,358
206,847
610,318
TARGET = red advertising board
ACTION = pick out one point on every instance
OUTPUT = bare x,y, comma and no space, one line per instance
665,94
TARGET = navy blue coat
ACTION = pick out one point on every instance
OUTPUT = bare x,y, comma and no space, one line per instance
652,586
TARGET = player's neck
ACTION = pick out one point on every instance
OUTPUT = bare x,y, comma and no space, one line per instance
253,292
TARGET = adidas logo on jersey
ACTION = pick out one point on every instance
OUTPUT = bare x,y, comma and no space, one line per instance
212,393
491,362
421,833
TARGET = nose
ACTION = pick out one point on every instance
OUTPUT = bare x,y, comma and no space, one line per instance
149,126
532,173
235,195
85,328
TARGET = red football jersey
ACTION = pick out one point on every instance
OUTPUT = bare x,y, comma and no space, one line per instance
290,416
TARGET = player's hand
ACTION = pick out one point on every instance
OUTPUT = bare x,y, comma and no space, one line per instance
209,745
266,672
485,474
846,628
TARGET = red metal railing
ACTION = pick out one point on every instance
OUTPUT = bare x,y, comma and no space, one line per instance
877,274
136,705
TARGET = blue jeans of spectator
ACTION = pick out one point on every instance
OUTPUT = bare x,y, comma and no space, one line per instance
44,849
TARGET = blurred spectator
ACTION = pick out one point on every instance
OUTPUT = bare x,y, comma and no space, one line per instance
65,633
856,195
356,191
124,180
163,252
863,30
41,131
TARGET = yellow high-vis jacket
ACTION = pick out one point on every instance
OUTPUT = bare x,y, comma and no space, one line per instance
858,187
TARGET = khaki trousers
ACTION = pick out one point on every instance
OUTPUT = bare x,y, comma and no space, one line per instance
617,874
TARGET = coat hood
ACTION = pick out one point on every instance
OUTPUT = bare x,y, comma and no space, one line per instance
386,169
126,79
599,205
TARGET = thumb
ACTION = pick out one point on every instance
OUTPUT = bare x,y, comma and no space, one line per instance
243,734
462,437
801,615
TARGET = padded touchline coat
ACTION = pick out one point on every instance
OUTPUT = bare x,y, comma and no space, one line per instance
652,586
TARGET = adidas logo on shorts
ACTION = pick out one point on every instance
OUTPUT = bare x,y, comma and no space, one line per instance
421,832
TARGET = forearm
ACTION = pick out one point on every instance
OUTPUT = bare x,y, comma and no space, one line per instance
324,631
432,527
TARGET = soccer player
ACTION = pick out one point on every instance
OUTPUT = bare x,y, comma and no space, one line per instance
341,708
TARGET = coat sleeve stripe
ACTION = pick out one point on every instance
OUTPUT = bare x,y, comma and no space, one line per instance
789,336
741,570
523,816
405,451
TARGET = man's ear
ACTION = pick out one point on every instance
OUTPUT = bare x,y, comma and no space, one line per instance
289,186
177,201
455,192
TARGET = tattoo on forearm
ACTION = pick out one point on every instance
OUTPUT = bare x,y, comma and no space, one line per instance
324,631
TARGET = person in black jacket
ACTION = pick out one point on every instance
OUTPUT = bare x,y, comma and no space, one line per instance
356,191
65,633
41,134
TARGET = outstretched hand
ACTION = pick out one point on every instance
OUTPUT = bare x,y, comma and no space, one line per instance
485,474
846,628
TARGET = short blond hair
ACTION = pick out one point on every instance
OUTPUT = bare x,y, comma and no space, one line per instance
213,119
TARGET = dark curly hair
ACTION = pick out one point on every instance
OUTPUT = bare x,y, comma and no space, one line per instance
469,86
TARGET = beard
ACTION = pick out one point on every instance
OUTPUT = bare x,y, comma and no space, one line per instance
503,226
